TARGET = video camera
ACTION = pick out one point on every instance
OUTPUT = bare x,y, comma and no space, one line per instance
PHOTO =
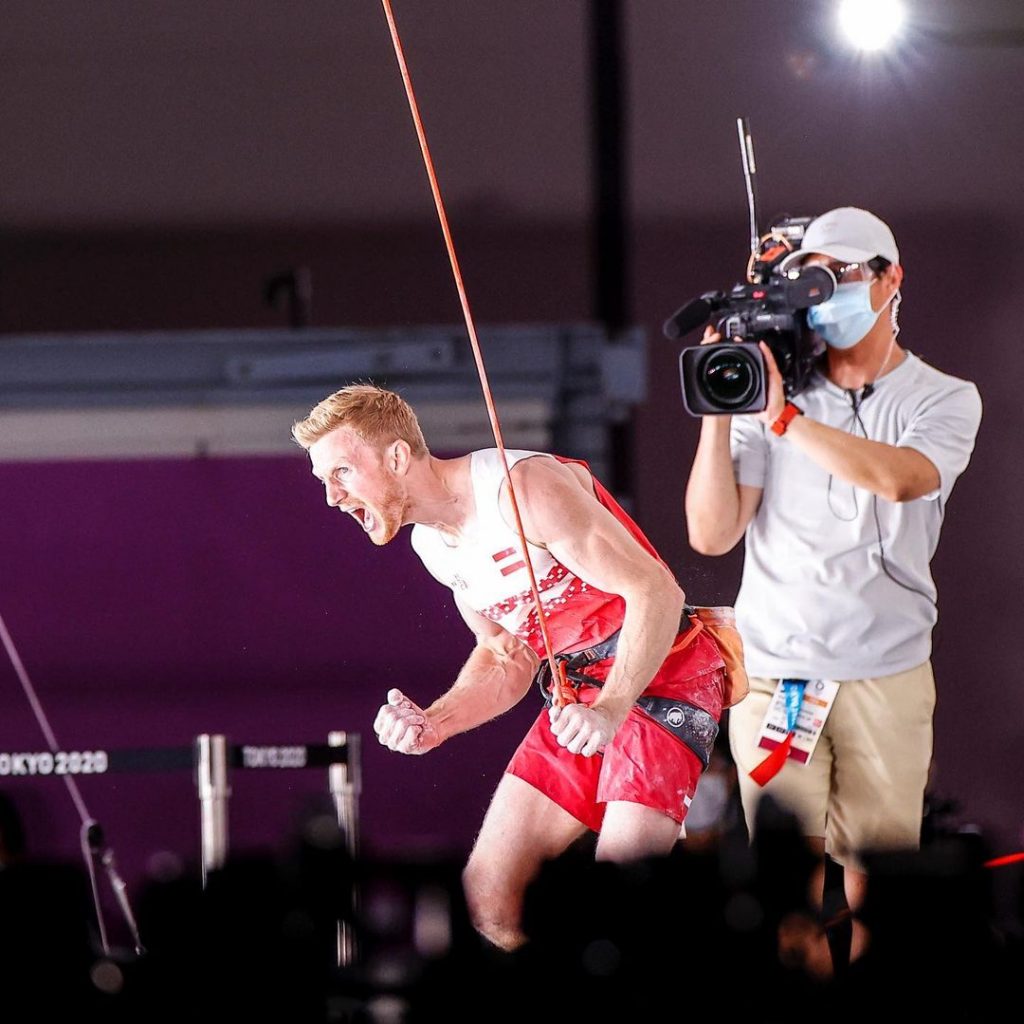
731,376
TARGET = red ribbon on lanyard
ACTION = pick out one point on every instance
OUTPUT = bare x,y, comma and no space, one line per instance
793,692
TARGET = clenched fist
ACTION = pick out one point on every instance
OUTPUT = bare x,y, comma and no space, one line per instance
403,726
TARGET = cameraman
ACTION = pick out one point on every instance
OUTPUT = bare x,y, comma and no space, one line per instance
840,496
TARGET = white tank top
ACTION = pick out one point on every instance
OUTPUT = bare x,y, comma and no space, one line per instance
487,573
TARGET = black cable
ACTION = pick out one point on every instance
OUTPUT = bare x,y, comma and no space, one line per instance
852,395
90,834
856,403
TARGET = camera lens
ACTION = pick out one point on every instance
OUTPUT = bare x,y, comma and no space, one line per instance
729,378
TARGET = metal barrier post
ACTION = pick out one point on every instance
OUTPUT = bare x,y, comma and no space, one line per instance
345,783
212,783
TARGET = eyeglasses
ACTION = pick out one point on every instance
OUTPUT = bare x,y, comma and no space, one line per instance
852,272
847,272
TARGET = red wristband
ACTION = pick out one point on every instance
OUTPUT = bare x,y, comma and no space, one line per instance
785,418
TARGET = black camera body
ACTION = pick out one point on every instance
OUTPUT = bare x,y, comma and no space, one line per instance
771,307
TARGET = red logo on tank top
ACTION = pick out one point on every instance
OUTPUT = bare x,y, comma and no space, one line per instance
507,556
498,611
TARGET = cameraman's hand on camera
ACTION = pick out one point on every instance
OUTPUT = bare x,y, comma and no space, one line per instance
776,394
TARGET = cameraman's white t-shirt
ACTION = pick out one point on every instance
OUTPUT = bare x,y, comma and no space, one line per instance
816,601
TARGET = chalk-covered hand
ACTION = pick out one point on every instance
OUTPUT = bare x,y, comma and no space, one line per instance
403,726
581,729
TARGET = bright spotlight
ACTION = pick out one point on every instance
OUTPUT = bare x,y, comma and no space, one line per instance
870,24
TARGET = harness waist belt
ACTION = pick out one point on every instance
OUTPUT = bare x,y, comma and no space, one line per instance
578,660
691,725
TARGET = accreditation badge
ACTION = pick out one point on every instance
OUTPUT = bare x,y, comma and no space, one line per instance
800,710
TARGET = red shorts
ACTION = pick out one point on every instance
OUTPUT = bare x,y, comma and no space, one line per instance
644,763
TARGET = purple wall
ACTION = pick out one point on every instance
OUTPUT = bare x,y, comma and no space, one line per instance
153,601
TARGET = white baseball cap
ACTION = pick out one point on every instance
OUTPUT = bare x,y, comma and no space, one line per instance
848,234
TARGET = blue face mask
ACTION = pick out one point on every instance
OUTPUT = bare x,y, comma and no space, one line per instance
844,319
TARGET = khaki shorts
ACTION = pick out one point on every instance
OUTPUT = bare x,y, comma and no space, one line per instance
863,788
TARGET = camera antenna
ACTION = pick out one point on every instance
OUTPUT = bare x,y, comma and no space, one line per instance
749,175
